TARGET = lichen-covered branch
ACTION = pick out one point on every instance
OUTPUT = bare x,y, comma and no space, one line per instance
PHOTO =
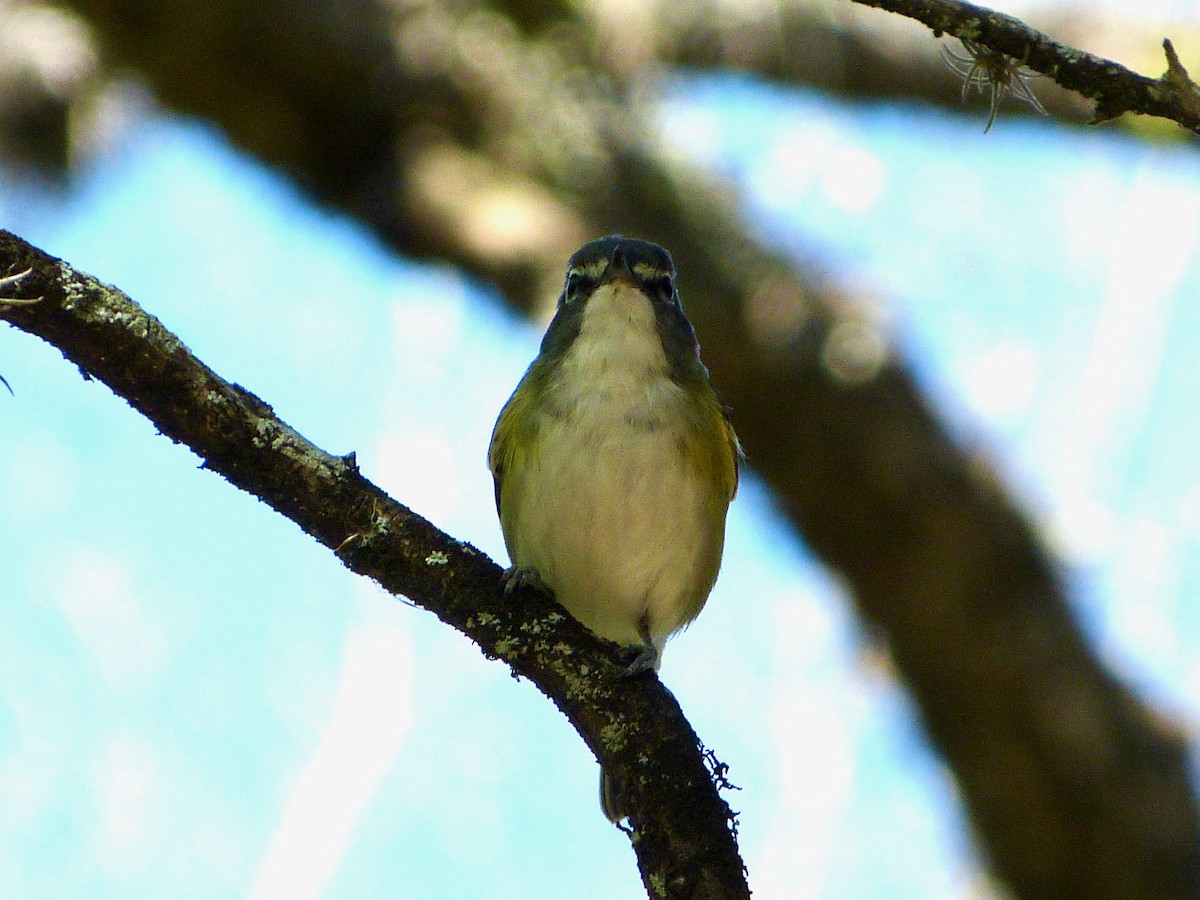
1115,89
682,829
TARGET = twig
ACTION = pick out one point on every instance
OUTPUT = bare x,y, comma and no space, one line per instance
1115,89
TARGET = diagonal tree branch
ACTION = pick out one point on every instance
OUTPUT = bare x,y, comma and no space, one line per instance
1115,89
682,831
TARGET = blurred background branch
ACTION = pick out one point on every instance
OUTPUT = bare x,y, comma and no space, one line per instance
51,71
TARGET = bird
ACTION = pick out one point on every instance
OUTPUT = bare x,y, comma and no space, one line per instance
614,460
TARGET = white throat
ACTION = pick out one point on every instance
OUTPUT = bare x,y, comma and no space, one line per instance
618,353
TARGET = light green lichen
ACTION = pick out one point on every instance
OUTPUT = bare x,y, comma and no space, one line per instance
508,650
658,884
614,736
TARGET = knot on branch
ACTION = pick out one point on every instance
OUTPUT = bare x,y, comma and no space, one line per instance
1179,83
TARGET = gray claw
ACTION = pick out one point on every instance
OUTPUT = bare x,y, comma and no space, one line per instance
645,659
524,576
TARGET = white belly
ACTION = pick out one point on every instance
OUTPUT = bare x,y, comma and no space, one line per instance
619,527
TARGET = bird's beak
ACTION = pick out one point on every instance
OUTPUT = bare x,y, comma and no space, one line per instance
618,269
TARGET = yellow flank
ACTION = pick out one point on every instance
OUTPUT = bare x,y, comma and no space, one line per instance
720,456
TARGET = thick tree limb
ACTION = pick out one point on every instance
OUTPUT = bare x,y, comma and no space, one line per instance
682,830
1115,89
502,162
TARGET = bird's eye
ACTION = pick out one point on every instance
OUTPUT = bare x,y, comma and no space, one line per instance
577,285
661,286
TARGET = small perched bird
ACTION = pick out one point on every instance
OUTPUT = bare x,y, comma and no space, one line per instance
614,460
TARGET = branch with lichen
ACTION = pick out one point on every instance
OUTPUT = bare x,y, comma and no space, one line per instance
680,828
1115,89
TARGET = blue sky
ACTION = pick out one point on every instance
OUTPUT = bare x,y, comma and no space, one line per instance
197,701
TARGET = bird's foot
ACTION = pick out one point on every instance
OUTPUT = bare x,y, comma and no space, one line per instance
516,577
642,658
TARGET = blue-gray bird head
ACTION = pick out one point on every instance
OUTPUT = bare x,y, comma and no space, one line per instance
638,264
